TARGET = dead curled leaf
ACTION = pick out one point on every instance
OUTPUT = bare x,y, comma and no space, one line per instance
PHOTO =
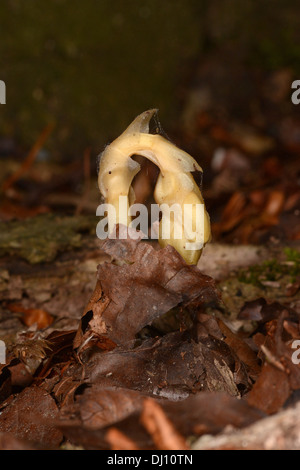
105,406
155,391
242,349
133,294
119,416
266,395
119,382
28,417
173,367
279,376
32,316
262,311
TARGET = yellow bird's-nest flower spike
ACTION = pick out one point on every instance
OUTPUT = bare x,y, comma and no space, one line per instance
175,185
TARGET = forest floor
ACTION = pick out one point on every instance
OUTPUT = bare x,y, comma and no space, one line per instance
120,344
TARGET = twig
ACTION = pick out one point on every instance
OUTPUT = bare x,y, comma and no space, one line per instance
161,429
272,359
119,441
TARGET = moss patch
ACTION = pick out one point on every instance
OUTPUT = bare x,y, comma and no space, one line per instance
41,238
273,270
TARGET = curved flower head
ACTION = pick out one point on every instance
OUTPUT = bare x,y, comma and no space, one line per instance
175,187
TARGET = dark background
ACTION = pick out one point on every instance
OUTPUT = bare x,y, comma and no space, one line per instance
219,71
92,66
77,73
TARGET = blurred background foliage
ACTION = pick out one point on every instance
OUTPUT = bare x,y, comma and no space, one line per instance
91,66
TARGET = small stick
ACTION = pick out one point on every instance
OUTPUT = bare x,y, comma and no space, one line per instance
272,359
119,441
161,429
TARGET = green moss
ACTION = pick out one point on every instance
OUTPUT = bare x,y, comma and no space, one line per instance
40,239
292,255
273,270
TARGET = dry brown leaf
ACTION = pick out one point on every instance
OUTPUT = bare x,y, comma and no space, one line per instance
32,316
173,367
242,349
271,390
137,289
29,416
101,407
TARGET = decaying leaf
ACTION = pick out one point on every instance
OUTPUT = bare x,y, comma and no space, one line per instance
173,366
32,316
280,376
271,390
146,285
112,384
28,418
101,407
145,421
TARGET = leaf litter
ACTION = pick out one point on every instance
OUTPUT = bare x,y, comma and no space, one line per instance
123,380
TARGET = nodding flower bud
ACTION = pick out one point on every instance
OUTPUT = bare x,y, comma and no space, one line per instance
175,187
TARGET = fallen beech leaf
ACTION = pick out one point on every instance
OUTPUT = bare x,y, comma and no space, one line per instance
96,439
270,391
37,316
279,376
100,407
28,417
275,203
172,367
233,213
293,288
161,429
283,347
261,311
20,376
242,349
31,316
253,310
204,412
210,412
131,295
